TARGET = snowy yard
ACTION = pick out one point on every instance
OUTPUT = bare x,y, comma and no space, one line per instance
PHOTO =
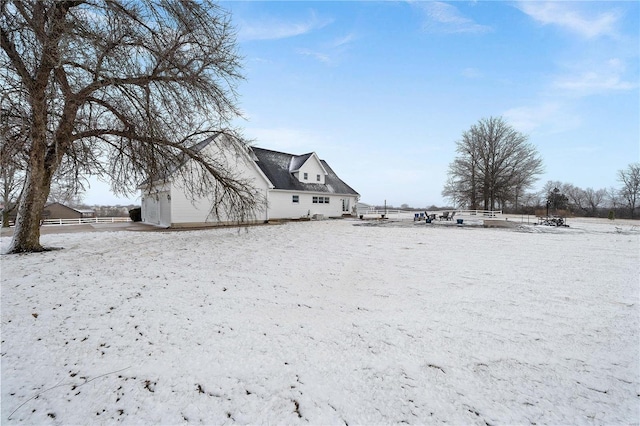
326,323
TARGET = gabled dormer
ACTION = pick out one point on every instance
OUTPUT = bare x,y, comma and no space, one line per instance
308,168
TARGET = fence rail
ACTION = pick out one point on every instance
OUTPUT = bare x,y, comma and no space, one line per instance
85,220
479,213
411,213
382,211
80,221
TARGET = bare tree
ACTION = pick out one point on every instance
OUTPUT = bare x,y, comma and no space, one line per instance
121,90
551,185
11,180
532,201
495,164
64,193
13,158
555,199
460,185
568,196
594,199
576,196
630,191
613,198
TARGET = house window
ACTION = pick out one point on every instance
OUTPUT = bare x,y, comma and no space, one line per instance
306,176
318,178
295,198
320,200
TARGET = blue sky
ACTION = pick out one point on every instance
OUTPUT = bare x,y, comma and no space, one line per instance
382,90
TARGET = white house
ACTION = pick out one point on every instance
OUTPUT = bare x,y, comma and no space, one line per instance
293,186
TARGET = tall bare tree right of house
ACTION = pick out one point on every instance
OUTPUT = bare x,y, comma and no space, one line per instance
121,90
495,164
630,191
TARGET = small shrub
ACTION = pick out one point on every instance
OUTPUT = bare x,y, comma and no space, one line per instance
612,215
136,214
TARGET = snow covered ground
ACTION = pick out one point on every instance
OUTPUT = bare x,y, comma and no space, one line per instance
326,322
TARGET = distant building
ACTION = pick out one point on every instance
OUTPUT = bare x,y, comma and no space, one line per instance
363,207
60,211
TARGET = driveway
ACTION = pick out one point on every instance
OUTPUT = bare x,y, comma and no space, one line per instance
89,227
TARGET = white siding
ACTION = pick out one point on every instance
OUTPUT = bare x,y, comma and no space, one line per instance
185,211
312,167
281,205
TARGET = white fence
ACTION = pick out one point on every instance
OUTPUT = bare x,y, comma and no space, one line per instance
410,214
85,220
479,213
374,212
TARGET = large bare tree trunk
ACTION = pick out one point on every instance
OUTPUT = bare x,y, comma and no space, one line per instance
26,234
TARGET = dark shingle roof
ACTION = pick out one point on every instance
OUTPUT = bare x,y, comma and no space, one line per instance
278,167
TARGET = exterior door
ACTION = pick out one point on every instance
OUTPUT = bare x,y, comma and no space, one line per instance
345,205
150,209
164,207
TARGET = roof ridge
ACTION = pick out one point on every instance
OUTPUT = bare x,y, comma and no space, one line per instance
277,152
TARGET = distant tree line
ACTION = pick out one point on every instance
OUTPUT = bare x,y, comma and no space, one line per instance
495,168
109,211
556,196
621,202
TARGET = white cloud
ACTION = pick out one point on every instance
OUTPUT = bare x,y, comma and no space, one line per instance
446,18
596,78
563,15
329,52
317,55
344,41
270,28
592,82
550,116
